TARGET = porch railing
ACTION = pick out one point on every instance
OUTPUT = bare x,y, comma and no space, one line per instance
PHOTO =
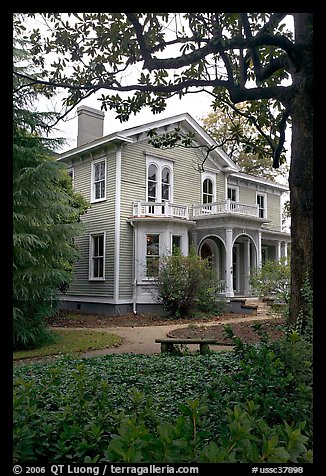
160,209
226,206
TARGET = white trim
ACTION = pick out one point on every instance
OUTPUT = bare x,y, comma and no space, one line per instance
263,194
111,138
93,163
211,176
90,256
117,224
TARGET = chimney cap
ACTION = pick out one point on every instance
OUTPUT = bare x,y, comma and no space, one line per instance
90,111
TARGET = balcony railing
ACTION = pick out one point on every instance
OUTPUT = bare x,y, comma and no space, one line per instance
160,209
171,210
226,206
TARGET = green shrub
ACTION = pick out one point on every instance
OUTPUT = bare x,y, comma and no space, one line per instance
187,283
272,279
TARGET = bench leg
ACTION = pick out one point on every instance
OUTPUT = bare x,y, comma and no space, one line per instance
203,348
166,347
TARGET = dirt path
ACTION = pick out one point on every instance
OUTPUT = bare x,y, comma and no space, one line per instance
141,340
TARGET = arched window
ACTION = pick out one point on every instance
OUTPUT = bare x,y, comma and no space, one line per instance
208,193
166,184
152,183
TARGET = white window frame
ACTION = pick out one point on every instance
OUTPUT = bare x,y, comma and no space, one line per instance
91,276
212,177
263,194
236,189
93,164
160,165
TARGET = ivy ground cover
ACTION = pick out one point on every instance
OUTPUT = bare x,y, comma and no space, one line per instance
97,409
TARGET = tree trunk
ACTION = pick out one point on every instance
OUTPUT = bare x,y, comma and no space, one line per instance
301,170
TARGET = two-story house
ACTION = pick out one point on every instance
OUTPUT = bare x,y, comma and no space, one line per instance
145,200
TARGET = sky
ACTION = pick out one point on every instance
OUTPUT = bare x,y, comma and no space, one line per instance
197,105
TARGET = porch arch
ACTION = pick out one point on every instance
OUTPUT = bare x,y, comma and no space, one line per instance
213,248
244,258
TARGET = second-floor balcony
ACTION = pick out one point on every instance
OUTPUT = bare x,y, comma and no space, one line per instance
227,206
160,209
172,210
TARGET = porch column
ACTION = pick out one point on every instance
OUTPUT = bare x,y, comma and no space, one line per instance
285,249
278,250
246,266
229,263
259,250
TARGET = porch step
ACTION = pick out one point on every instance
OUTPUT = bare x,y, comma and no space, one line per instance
262,307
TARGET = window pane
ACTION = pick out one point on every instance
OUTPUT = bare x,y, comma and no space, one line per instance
152,264
166,175
232,194
153,245
165,192
97,190
152,170
102,170
151,190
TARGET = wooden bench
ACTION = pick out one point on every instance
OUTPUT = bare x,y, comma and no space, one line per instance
167,344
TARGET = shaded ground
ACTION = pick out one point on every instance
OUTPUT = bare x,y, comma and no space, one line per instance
274,328
78,319
189,328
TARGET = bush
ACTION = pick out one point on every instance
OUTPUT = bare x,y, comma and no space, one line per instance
187,283
273,279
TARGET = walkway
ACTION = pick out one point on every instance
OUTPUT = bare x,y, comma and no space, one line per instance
141,340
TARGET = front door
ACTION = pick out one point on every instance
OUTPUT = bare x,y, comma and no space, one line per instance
236,268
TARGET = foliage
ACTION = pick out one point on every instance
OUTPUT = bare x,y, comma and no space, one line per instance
231,130
272,279
46,214
252,405
186,283
206,49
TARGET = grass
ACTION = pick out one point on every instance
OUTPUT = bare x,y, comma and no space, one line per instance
71,341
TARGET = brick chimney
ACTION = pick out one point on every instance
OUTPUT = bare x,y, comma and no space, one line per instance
90,124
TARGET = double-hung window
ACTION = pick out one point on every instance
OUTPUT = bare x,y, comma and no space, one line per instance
97,257
98,192
233,196
262,205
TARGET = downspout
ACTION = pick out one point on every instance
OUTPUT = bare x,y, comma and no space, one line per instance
117,225
134,283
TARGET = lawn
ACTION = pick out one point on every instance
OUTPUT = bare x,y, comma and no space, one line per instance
71,341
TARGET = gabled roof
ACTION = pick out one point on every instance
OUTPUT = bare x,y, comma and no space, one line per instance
261,180
183,120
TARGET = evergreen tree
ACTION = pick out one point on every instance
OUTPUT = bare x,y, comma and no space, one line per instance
46,214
